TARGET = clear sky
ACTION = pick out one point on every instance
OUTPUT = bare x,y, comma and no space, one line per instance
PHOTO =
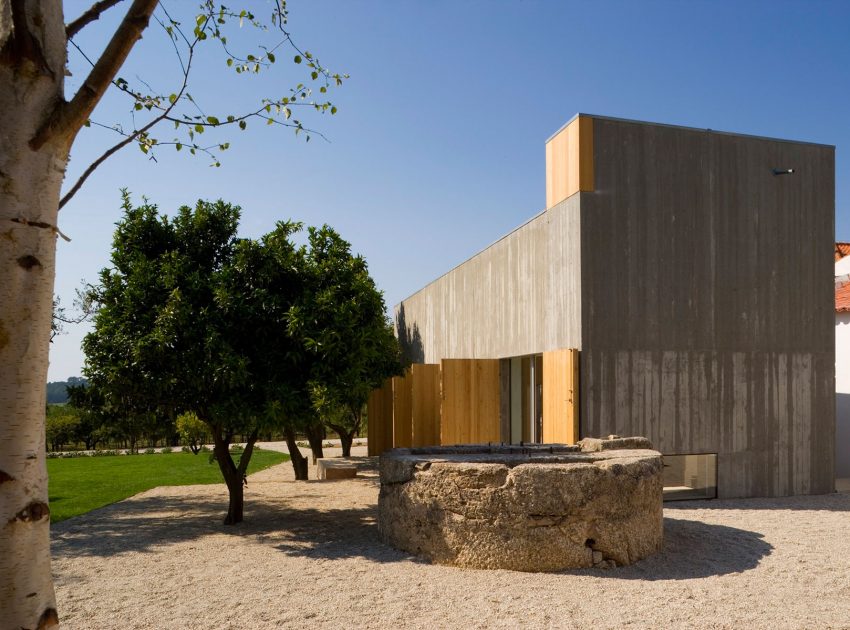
438,146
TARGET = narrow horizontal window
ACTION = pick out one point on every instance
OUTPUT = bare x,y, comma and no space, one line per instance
690,477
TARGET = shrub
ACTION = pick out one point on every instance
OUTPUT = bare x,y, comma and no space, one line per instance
150,451
192,431
167,450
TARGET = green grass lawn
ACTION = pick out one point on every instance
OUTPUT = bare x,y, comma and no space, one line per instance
80,484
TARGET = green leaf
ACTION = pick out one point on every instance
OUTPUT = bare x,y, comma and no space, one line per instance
213,120
172,98
270,57
242,124
229,62
297,59
199,128
178,146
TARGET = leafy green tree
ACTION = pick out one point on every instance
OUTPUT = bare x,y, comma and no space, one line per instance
189,319
341,320
38,128
94,420
192,431
62,423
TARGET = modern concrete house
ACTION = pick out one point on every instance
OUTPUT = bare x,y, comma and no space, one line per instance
675,287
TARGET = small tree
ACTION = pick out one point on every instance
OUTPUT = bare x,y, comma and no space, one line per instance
61,426
189,319
341,320
192,431
93,420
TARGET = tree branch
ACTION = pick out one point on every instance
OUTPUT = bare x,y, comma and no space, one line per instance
88,17
109,152
69,117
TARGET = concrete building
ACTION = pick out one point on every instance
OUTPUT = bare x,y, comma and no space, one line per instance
689,269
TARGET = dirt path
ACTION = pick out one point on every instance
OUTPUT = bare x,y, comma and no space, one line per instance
309,556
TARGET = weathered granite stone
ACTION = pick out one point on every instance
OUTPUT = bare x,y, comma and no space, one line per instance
528,508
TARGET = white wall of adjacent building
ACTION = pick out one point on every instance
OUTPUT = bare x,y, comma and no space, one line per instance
842,392
842,267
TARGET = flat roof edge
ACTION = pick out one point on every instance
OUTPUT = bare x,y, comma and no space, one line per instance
686,128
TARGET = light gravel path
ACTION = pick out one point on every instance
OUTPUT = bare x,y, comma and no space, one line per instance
308,556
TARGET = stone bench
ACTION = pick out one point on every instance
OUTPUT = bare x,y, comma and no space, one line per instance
329,469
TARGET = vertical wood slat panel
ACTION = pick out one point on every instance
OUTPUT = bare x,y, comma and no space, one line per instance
380,427
471,400
402,411
425,404
560,396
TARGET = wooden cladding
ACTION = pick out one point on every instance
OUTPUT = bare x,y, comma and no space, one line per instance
425,404
470,401
380,419
402,411
560,397
569,161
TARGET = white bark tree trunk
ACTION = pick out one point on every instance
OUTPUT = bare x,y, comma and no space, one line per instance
32,62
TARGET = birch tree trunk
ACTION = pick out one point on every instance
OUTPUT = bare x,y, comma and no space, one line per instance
32,64
37,127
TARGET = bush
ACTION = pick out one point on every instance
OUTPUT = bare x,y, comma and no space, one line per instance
104,453
186,449
150,451
237,448
192,431
167,450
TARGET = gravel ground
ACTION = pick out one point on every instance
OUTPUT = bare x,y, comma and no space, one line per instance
309,556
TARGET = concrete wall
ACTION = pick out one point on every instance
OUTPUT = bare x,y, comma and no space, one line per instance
519,296
707,318
842,393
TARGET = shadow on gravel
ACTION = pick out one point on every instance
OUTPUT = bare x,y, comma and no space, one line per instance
151,524
834,502
693,549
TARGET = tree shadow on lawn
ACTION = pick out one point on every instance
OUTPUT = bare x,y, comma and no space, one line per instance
153,524
692,550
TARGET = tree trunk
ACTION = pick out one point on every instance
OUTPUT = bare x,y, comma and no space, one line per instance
346,438
299,462
232,478
316,435
32,59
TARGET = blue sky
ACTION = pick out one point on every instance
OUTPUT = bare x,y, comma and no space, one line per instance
438,146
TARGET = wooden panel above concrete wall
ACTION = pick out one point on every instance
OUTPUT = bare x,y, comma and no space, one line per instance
560,397
470,401
425,404
569,161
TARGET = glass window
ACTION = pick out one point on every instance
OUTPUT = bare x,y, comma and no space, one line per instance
690,476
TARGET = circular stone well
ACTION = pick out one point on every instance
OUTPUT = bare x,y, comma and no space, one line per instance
525,508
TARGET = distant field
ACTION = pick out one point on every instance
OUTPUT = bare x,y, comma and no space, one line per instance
81,484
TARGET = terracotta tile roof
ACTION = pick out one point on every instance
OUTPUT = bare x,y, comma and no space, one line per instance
841,250
842,297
